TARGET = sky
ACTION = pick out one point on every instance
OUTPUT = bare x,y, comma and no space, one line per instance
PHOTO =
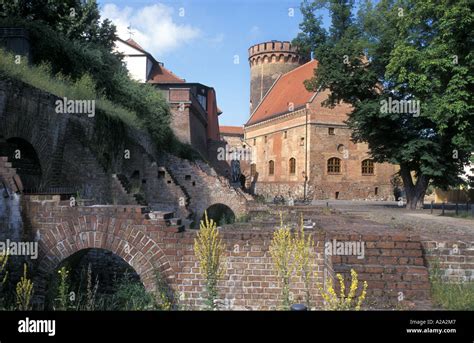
207,41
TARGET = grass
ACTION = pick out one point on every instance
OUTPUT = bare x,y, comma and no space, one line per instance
84,88
127,294
449,295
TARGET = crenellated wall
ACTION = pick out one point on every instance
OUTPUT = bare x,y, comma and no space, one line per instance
267,62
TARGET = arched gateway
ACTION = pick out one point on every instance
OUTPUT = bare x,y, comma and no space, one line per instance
76,231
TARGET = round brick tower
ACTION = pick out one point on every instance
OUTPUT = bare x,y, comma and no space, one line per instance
268,61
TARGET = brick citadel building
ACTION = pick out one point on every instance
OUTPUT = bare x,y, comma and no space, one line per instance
301,149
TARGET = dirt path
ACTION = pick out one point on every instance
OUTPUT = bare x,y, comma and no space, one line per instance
428,226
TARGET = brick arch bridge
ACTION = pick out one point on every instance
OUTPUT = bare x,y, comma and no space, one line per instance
150,244
61,231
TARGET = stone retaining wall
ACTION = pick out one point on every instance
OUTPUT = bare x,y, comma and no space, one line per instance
454,259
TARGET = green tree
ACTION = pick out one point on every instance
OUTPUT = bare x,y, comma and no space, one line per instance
412,52
312,34
73,52
76,19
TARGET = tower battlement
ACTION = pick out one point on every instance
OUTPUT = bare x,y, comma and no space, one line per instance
268,61
274,52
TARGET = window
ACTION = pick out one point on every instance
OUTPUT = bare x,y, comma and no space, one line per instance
202,101
265,139
334,165
331,131
367,167
292,166
271,168
285,134
302,141
254,141
253,169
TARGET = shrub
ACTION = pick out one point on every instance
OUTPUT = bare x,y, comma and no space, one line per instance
137,105
63,289
24,290
209,251
61,86
351,301
131,296
304,255
3,277
282,252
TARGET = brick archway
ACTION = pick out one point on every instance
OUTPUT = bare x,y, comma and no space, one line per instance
128,241
219,212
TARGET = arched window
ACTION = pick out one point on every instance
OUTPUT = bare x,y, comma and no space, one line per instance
292,166
334,165
271,168
253,169
367,167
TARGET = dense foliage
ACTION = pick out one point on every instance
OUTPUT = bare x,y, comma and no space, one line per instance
407,52
78,45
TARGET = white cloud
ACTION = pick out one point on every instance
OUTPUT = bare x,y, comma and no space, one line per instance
153,27
255,33
216,40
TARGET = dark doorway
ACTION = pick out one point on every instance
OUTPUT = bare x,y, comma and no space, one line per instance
221,214
24,159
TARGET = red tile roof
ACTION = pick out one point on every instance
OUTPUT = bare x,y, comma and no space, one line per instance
232,130
287,89
134,44
159,74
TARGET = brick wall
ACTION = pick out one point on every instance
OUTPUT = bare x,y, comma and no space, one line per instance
286,189
455,259
81,171
164,193
350,183
152,245
250,280
188,121
393,266
8,176
204,186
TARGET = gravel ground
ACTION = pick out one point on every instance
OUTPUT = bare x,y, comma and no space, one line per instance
428,226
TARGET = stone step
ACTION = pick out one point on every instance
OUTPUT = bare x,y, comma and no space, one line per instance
174,221
157,215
